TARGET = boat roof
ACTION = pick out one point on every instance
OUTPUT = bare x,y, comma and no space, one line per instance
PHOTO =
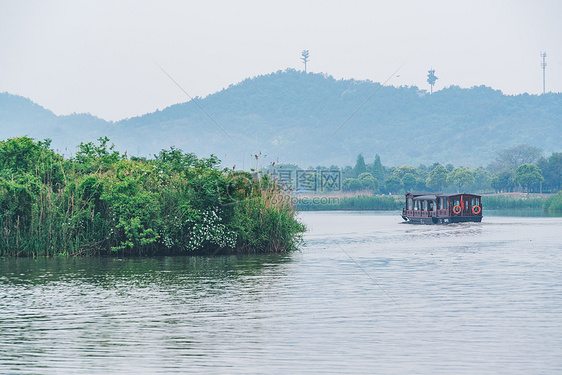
425,197
423,193
458,194
433,196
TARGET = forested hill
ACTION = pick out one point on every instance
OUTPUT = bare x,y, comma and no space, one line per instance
305,119
19,116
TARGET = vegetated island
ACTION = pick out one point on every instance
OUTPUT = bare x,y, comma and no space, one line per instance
102,202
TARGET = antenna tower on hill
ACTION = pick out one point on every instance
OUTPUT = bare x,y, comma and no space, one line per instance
543,66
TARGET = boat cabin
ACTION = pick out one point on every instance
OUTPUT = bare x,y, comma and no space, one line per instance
438,208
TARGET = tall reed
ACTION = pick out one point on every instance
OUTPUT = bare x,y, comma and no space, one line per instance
359,203
101,202
503,202
554,203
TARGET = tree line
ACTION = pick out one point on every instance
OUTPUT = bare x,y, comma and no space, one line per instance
521,168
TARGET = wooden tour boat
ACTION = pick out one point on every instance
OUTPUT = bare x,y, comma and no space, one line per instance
437,208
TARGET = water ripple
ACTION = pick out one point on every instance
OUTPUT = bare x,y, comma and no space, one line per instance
463,299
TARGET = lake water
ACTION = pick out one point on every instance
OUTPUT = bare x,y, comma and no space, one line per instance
367,294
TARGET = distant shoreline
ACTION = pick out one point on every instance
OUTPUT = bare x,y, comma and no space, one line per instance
342,201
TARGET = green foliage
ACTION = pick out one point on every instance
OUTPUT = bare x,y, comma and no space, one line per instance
360,166
552,171
459,177
91,158
265,224
502,181
18,199
368,182
106,204
463,126
512,158
22,155
437,178
481,180
403,170
494,202
408,181
352,184
554,203
378,170
527,175
359,202
393,184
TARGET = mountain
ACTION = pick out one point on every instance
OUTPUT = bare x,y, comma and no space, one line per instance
314,119
19,116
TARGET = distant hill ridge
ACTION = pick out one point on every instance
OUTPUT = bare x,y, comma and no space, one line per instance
305,119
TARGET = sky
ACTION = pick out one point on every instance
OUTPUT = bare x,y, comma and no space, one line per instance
108,58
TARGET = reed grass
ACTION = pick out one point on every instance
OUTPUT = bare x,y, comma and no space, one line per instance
349,203
553,203
101,203
503,202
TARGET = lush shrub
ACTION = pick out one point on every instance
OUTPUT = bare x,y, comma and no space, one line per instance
101,203
554,203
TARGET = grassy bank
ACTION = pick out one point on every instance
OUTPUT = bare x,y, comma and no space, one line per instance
495,202
102,202
349,203
385,202
554,203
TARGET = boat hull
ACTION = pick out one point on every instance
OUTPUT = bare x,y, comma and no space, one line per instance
442,220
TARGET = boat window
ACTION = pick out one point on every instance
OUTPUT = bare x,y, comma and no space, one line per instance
475,202
409,204
456,202
431,206
416,205
424,205
447,204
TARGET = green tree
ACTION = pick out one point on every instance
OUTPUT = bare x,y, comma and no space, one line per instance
459,177
502,181
552,171
437,178
481,179
97,158
393,184
408,181
347,172
512,158
368,182
527,175
23,155
420,184
352,184
360,166
403,169
378,170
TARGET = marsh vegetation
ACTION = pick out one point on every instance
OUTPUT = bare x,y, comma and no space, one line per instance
103,202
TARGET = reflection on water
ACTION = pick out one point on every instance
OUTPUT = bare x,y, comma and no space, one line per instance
367,294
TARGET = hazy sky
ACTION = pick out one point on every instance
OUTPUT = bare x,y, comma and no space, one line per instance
102,57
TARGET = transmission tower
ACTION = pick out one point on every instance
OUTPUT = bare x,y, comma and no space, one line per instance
305,55
543,66
431,78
